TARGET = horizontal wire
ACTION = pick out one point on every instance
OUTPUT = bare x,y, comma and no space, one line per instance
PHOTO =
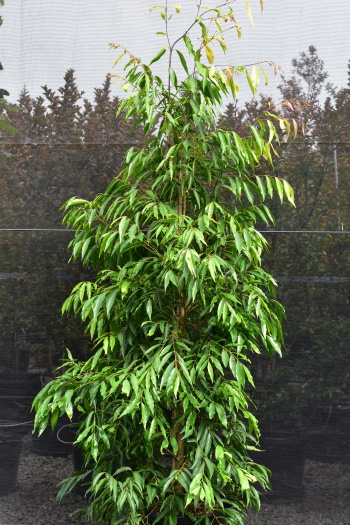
143,143
318,232
327,232
7,425
72,144
35,230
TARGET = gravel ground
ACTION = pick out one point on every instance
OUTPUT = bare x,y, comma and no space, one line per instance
34,503
326,498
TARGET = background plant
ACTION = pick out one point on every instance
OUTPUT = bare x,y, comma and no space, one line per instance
4,107
64,145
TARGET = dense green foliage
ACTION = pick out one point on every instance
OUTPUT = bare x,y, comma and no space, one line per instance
180,304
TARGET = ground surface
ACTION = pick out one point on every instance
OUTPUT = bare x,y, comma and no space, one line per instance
326,498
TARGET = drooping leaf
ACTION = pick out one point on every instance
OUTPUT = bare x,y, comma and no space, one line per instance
249,13
158,55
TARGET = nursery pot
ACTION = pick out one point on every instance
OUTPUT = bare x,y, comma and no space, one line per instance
283,452
328,445
57,442
334,415
17,391
180,520
19,384
11,437
329,433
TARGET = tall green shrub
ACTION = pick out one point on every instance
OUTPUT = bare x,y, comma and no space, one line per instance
181,303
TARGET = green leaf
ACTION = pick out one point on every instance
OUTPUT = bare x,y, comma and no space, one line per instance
183,60
288,190
130,407
279,187
188,44
122,469
173,77
174,444
68,405
239,241
221,413
210,371
247,237
219,452
54,418
98,304
110,301
184,369
195,485
149,401
126,387
149,307
248,192
265,75
250,83
211,267
243,480
159,55
190,261
124,286
261,187
123,225
269,185
275,345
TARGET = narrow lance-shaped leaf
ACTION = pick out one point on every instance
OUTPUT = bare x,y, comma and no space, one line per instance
158,55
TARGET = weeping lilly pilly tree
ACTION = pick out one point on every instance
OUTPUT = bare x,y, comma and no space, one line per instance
180,304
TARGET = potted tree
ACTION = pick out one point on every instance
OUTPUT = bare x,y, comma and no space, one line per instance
180,303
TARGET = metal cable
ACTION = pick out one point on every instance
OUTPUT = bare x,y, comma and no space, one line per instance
61,440
318,232
12,424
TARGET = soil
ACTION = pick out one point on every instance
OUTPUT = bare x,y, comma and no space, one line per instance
326,499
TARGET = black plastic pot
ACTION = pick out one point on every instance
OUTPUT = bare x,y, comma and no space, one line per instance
329,433
11,437
327,445
333,415
181,520
55,443
19,384
284,454
17,391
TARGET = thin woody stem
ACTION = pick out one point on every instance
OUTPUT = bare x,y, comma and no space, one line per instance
181,324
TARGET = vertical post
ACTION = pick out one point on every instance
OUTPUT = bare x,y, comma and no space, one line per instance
336,180
336,183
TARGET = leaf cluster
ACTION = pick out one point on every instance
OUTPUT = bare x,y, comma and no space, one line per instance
179,307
